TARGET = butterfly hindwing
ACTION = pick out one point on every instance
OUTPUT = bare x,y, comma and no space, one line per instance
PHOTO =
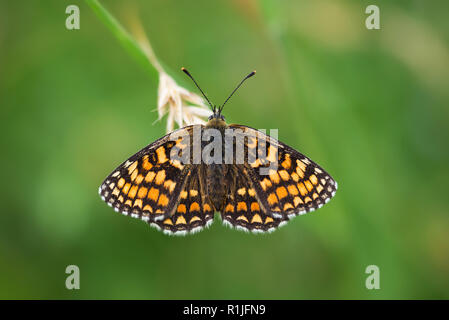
194,211
242,208
295,185
148,185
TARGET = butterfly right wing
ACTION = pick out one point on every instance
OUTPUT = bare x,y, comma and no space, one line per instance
296,184
242,208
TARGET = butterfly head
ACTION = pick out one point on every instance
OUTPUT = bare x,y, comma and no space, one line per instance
217,118
216,114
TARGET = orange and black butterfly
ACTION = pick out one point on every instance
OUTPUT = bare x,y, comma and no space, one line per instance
271,184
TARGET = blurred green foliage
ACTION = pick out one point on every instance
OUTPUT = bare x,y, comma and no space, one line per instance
370,106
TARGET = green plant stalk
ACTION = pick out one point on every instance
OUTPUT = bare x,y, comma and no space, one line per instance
125,39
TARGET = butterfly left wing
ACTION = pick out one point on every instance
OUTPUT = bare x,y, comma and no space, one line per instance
194,211
148,185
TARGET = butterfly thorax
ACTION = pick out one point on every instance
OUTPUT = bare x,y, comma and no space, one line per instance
216,122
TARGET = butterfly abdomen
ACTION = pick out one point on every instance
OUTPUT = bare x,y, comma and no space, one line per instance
215,184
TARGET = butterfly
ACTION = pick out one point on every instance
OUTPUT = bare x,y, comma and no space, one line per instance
177,183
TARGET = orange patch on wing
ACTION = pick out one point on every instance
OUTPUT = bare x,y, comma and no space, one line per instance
292,189
307,200
126,188
184,195
284,175
146,164
308,185
268,220
241,206
251,192
160,177
142,193
168,221
194,207
313,179
229,208
272,154
163,200
132,167
133,191
150,176
115,192
275,177
120,199
128,203
153,194
170,185
255,206
181,220
207,208
161,156
272,199
265,183
314,196
121,183
281,192
139,179
134,174
193,193
194,218
256,219
302,189
287,162
241,191
148,208
301,165
138,203
288,206
181,208
295,177
319,188
297,200
177,164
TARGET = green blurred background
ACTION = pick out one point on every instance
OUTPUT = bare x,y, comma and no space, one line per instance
370,106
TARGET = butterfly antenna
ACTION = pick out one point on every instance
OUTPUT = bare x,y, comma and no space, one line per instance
204,95
247,77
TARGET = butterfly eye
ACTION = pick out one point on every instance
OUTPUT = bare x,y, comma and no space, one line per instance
210,117
222,118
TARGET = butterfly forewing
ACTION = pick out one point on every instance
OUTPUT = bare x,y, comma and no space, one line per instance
148,185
